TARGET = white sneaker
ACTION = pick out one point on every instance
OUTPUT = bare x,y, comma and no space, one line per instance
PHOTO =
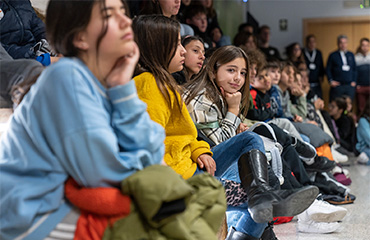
317,227
363,158
338,157
322,211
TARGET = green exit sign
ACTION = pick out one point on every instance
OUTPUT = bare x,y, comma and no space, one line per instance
365,4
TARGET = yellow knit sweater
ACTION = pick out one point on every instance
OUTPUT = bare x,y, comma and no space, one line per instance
182,146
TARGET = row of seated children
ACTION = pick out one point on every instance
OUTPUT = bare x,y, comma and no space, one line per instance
339,121
206,113
89,125
210,166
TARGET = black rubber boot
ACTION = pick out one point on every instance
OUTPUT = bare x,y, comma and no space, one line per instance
264,203
269,234
235,235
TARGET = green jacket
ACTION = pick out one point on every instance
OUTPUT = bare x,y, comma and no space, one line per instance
168,207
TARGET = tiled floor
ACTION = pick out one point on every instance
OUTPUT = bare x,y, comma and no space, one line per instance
355,226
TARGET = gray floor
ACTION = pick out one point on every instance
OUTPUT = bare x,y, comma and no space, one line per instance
355,226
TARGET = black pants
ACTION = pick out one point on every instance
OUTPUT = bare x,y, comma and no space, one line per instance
290,158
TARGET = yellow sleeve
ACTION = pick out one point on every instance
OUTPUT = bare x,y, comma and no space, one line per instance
198,148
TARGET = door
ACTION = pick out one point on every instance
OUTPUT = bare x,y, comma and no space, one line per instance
327,30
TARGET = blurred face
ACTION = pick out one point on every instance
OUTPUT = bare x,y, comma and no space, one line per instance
200,21
248,29
349,104
250,44
265,35
297,51
170,7
305,79
262,82
178,59
275,75
343,44
287,76
194,56
364,47
311,44
298,80
206,3
232,75
334,110
253,71
186,2
117,42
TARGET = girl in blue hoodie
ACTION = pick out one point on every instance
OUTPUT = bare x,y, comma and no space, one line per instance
82,118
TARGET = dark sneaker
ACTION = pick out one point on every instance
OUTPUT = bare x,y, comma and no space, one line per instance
321,164
305,150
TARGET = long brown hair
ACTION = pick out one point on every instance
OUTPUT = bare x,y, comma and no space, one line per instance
158,42
206,78
64,19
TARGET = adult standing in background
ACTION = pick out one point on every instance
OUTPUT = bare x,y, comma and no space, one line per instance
341,70
263,43
315,64
363,74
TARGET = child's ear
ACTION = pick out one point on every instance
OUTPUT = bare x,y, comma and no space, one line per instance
188,21
79,41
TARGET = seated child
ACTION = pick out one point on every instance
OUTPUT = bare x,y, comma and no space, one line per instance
194,59
196,17
260,85
363,136
81,119
345,124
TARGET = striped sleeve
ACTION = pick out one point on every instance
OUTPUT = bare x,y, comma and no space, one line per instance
209,119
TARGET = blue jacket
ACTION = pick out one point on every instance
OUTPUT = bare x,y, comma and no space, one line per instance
20,28
275,101
363,135
334,69
70,125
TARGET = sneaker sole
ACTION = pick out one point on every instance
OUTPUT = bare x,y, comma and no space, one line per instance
308,228
296,203
329,217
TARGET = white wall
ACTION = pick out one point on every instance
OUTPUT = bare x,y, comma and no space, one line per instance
40,4
269,12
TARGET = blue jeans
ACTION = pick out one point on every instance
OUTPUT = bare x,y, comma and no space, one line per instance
226,156
241,220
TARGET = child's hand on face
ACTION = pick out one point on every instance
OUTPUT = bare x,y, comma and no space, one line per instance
233,100
207,162
124,69
297,91
242,127
319,104
297,118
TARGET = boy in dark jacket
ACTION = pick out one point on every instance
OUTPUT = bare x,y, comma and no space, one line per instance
22,32
260,85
